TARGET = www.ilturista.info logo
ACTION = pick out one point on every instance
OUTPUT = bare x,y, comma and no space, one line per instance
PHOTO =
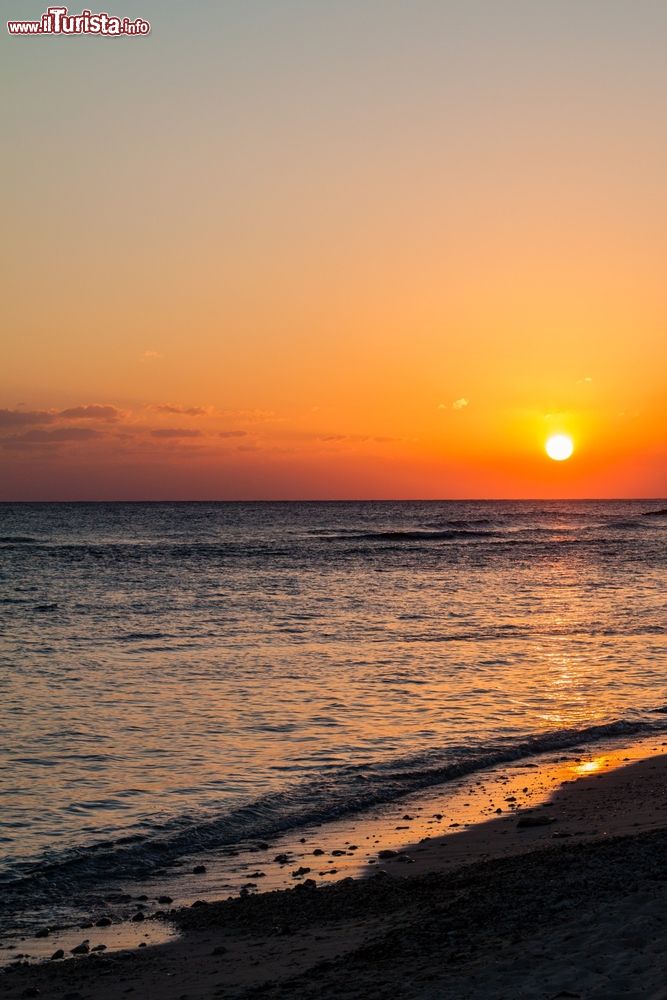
58,21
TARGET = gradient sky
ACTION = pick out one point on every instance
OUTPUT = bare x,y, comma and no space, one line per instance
336,248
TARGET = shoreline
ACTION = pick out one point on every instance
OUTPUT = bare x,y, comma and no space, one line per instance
580,807
325,852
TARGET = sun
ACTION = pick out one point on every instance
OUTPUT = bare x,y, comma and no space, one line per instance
559,447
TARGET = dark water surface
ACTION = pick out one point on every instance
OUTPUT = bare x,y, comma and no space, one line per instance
183,675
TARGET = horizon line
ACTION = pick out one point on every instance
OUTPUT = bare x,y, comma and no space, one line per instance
639,499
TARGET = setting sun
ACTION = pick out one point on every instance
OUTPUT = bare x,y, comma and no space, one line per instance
559,447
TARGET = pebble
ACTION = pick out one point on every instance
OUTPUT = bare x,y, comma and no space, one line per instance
527,821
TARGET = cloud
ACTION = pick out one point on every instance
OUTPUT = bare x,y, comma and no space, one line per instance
253,416
175,432
186,411
92,411
57,436
460,404
62,434
354,438
233,434
151,355
23,418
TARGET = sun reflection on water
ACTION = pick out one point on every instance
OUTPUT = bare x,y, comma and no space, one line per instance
590,766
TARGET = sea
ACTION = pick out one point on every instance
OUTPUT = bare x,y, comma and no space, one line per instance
179,676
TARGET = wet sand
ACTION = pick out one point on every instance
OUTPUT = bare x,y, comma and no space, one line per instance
562,892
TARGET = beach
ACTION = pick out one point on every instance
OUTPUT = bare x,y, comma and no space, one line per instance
559,891
333,502
319,750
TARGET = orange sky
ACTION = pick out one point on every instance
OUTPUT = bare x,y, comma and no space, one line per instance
370,249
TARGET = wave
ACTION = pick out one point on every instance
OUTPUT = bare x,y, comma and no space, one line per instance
416,535
291,544
142,636
342,790
531,634
522,534
460,523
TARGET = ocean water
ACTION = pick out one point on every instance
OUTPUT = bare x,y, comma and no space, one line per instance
178,676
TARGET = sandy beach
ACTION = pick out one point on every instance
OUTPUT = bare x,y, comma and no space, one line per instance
559,890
